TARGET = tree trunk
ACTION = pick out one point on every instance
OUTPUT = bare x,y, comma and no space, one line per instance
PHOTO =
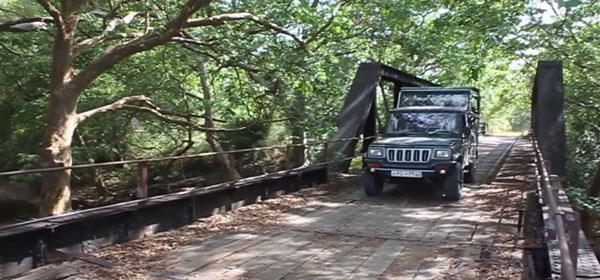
587,218
66,88
298,157
226,159
61,121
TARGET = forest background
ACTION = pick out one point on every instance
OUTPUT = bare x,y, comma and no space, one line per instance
94,81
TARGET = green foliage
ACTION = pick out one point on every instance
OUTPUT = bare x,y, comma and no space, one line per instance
570,34
256,74
579,197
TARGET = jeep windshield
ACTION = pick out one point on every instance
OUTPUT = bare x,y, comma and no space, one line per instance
410,99
425,123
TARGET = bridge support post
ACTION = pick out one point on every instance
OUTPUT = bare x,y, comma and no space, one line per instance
548,114
142,187
370,127
572,223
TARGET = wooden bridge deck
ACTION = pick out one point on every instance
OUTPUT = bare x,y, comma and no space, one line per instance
339,233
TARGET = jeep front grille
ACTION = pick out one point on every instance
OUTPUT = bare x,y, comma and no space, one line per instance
408,155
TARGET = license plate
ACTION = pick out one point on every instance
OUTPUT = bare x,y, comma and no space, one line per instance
407,173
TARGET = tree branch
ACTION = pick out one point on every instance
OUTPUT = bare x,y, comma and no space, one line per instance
325,26
110,27
222,64
224,18
147,106
150,40
164,117
190,41
119,104
26,24
582,105
10,50
53,12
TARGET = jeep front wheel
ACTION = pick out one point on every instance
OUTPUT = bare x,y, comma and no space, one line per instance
470,174
372,183
453,183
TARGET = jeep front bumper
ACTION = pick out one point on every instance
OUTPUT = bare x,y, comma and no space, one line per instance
428,170
407,173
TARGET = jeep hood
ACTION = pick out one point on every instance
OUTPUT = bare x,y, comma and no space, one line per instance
415,141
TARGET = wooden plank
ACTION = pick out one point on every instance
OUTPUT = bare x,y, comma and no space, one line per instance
383,217
62,256
309,220
268,258
378,262
320,264
60,271
192,260
227,267
323,217
287,264
465,228
426,220
376,227
365,216
336,219
468,263
444,225
349,262
485,230
206,245
400,225
407,263
507,229
432,267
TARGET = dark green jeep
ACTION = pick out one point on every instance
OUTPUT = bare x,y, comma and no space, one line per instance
435,144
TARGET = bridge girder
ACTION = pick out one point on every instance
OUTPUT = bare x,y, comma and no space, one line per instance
548,115
359,113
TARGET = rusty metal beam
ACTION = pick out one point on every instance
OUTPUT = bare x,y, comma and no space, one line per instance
358,113
548,115
26,245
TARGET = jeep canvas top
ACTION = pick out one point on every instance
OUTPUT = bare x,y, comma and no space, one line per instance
466,98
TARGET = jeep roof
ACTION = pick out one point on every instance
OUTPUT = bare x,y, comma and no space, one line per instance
440,89
429,109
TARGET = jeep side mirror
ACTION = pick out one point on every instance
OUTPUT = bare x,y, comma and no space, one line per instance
467,131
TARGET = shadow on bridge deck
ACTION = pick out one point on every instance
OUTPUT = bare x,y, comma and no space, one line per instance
334,231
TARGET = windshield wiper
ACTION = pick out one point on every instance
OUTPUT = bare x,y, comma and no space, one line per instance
438,131
399,133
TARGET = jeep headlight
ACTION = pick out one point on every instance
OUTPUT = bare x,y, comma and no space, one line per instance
442,154
376,152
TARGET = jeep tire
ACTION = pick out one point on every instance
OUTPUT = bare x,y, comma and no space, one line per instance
453,183
470,173
372,183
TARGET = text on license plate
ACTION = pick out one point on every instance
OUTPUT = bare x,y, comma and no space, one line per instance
407,173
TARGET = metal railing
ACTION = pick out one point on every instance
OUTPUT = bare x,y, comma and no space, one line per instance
143,163
567,240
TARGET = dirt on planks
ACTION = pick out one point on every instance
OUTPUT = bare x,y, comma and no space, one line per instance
501,200
135,259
